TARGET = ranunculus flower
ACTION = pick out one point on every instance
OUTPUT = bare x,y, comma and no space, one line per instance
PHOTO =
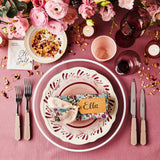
39,3
66,1
71,16
39,17
56,9
56,27
87,9
107,12
128,4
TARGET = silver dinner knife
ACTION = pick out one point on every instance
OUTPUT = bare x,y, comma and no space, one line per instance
143,118
133,113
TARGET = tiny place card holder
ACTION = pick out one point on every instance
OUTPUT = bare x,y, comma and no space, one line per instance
18,57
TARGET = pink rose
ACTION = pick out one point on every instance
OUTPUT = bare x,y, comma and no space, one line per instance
56,27
128,4
87,9
71,16
107,12
39,3
56,9
38,17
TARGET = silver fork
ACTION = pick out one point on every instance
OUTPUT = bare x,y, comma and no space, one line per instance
27,93
18,94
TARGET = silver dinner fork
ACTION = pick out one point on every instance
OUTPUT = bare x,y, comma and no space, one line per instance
18,94
27,93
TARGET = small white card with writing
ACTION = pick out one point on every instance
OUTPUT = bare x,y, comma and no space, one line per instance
18,57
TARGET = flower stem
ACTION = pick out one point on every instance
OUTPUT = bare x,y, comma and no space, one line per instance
3,22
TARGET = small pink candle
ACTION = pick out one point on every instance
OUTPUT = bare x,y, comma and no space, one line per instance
88,31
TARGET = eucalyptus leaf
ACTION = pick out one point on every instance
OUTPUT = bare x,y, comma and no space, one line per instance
4,2
7,5
12,12
12,2
21,5
3,12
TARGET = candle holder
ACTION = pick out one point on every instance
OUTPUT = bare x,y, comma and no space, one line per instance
152,49
3,41
88,31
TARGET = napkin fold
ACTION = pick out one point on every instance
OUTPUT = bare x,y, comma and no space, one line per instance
65,108
18,58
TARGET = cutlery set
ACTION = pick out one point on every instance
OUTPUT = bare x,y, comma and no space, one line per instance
142,115
19,96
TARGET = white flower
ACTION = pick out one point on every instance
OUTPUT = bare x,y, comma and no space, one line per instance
127,4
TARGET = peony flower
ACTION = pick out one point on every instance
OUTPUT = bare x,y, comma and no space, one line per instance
56,27
56,9
128,4
39,3
107,12
39,17
71,16
87,9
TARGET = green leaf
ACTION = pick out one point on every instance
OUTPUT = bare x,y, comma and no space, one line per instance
21,5
89,22
7,5
12,12
13,4
104,3
139,4
3,12
4,29
4,2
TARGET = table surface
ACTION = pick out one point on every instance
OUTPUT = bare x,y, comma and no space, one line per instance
119,147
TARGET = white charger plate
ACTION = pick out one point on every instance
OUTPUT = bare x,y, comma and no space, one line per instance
93,66
28,45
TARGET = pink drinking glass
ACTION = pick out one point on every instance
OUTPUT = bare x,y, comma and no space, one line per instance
103,48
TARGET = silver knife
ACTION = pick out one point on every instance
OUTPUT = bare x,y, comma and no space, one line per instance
133,113
143,117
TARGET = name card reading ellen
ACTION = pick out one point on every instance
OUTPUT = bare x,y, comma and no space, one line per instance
92,105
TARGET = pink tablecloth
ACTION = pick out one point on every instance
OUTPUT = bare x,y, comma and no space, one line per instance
118,148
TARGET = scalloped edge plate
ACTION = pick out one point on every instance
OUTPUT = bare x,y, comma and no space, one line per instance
103,142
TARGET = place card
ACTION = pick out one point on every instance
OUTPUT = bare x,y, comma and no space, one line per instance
92,105
18,57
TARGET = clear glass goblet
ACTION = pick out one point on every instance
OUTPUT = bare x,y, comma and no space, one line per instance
128,62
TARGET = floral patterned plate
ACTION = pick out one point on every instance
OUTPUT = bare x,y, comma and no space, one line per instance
66,79
78,80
